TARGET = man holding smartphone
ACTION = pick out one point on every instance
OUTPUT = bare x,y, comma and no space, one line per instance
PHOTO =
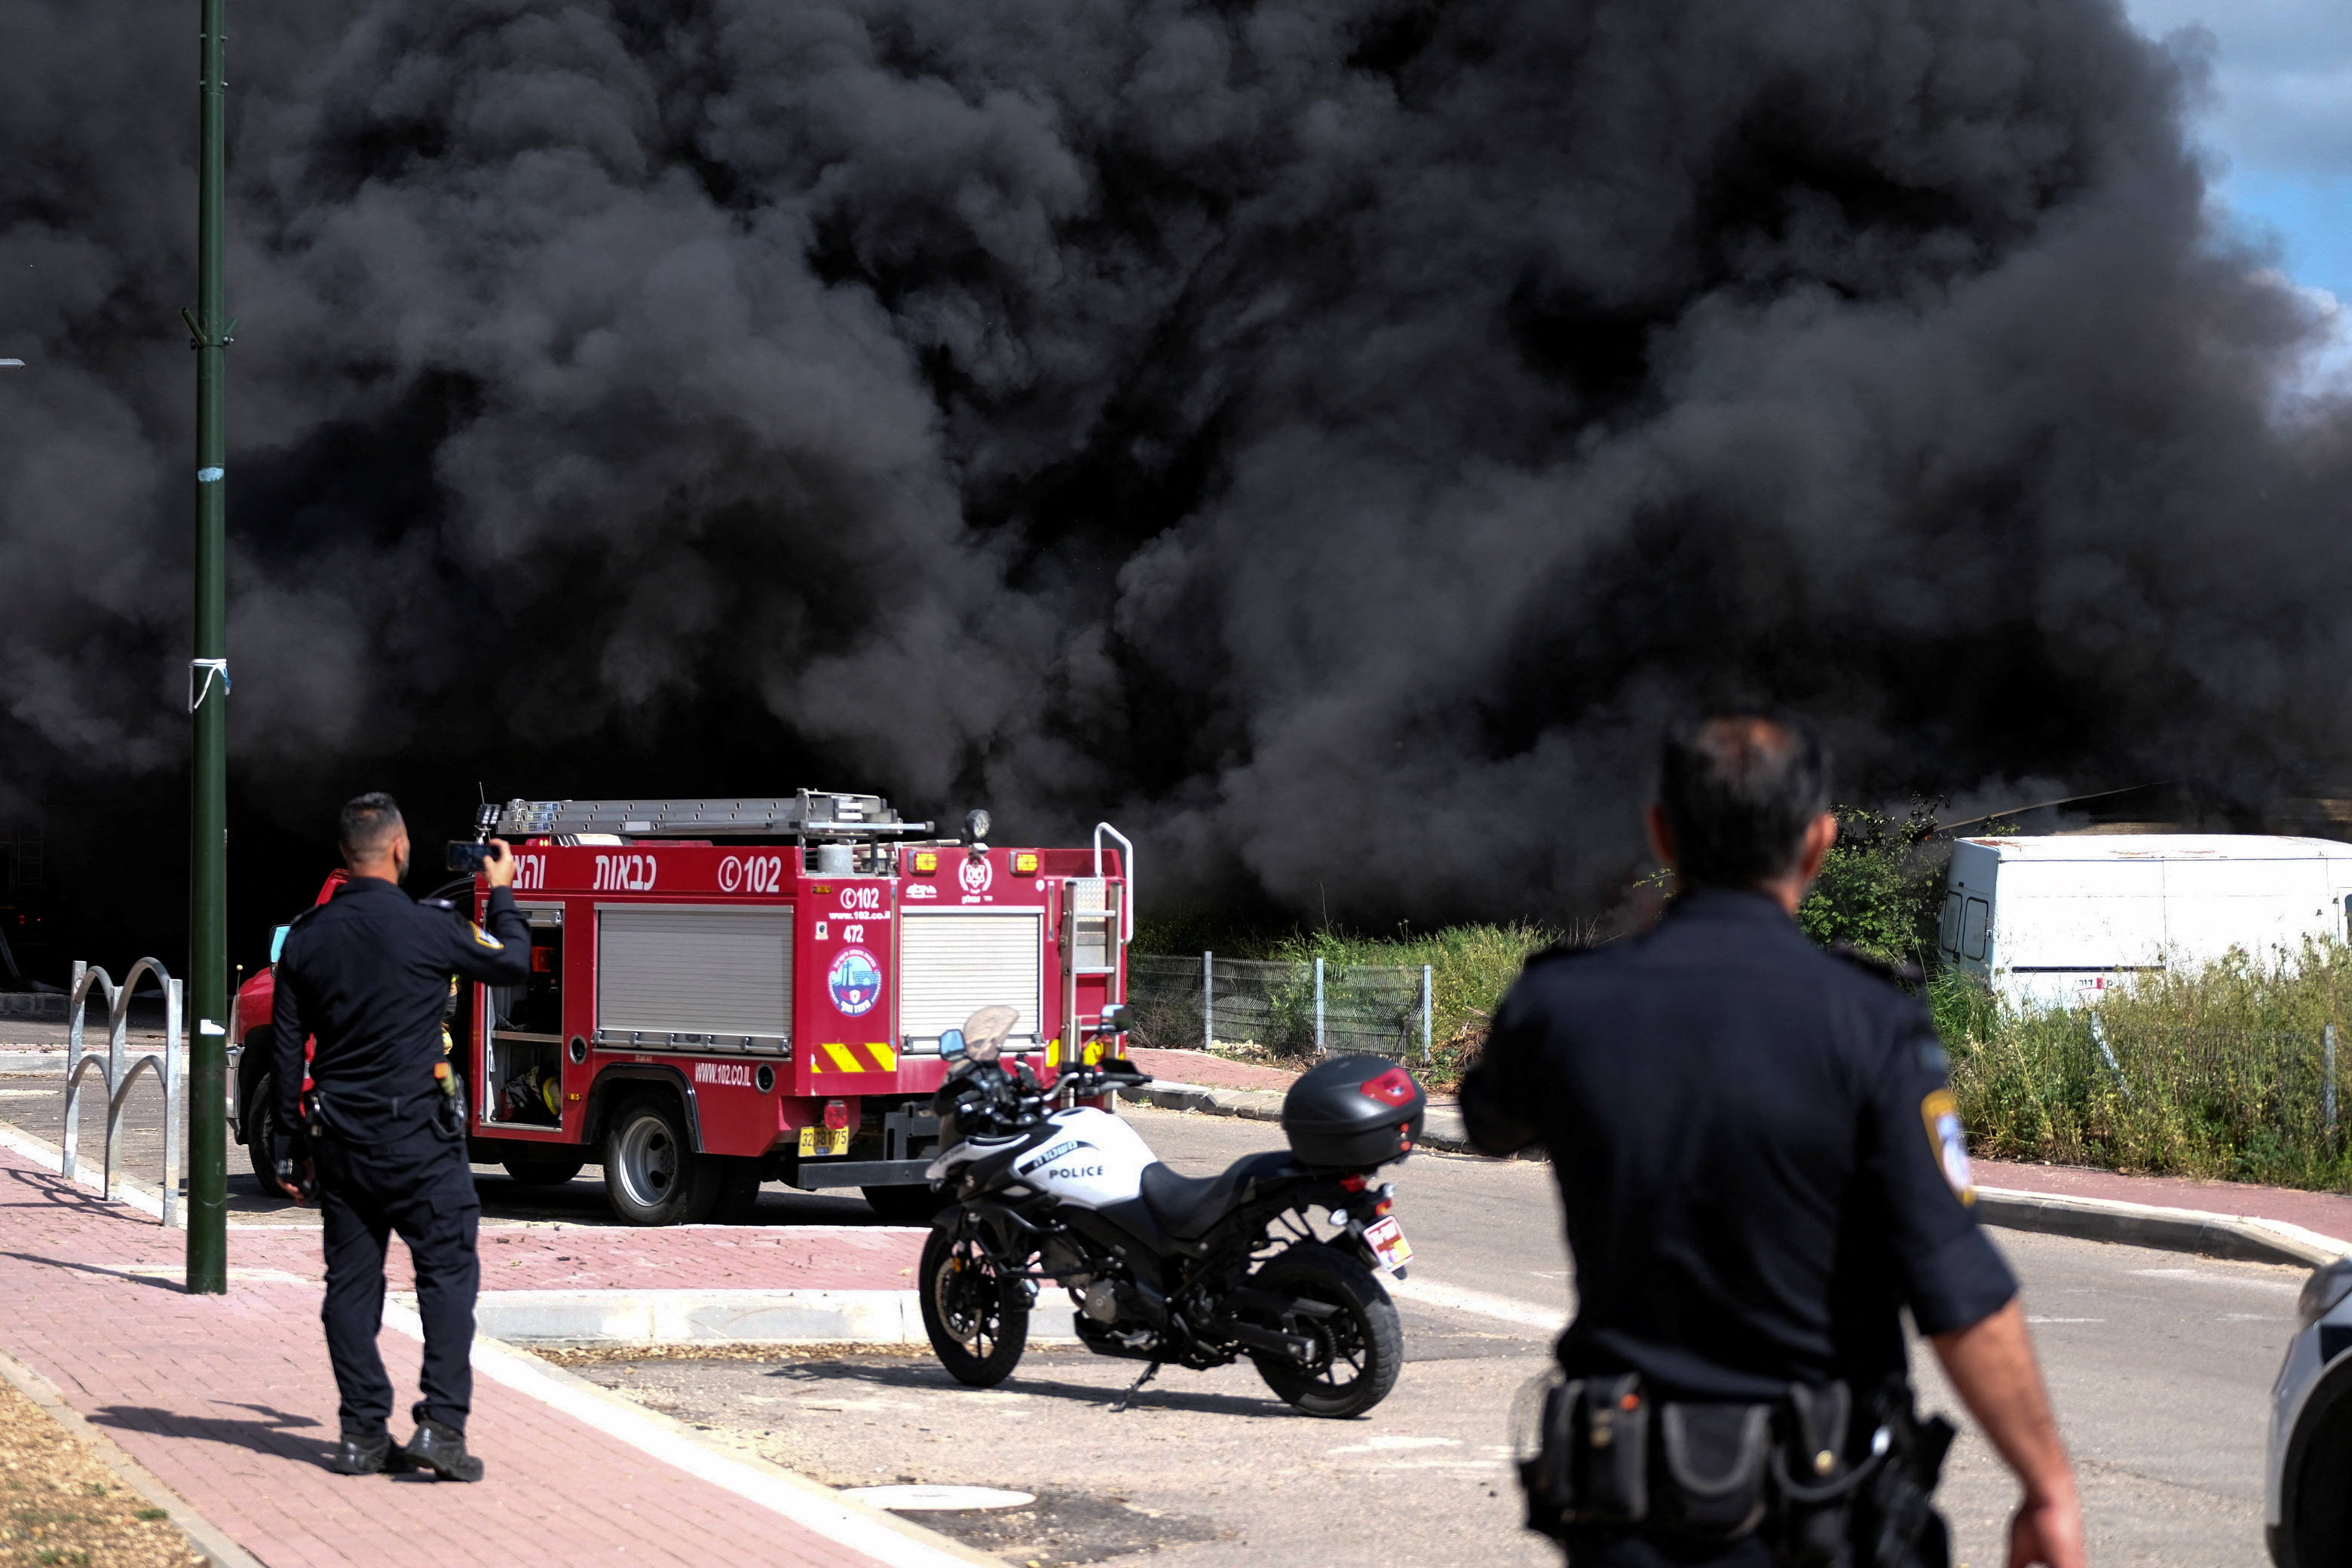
381,1132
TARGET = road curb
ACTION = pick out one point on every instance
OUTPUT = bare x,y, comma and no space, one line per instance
653,1319
206,1539
2237,1237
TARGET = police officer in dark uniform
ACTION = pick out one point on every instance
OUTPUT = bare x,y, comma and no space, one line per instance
1760,1167
381,1134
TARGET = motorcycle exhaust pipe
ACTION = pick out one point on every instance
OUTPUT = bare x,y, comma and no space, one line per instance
1292,1345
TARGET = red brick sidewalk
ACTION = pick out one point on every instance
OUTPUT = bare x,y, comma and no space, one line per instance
2330,1214
228,1401
550,1257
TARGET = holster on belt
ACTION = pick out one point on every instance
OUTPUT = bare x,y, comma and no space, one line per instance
1601,1452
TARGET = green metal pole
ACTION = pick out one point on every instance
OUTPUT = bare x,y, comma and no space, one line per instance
208,713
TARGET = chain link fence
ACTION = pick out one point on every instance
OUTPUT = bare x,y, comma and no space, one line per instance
1304,1010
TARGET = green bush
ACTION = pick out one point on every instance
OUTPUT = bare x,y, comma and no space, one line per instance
1881,887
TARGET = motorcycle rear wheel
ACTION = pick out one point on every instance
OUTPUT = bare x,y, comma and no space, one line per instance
1360,1349
977,1318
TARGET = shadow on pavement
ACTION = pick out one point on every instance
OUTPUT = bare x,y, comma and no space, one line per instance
1157,1395
160,1282
275,1434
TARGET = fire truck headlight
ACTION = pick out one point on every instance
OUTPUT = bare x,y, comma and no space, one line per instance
976,824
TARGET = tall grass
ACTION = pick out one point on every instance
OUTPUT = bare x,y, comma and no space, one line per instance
1470,965
2215,1071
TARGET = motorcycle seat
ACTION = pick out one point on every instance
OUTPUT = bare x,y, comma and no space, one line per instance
1187,1206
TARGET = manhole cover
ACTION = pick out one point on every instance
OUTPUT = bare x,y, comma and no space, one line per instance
940,1499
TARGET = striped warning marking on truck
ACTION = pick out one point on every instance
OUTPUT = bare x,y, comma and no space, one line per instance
855,1059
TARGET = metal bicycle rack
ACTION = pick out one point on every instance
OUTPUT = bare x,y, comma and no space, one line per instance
118,1070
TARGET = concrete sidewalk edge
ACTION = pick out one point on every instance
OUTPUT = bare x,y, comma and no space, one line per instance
859,1526
206,1539
650,1320
2237,1237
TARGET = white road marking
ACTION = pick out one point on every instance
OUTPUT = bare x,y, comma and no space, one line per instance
1526,1314
2211,1276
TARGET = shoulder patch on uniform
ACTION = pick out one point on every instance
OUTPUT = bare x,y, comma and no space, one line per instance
1903,974
1948,1141
483,938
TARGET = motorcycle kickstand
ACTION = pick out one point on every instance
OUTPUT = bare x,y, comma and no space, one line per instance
1135,1388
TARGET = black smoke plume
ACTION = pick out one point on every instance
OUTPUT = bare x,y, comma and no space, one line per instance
1324,436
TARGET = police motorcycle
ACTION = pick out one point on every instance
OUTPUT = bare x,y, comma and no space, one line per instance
1197,1271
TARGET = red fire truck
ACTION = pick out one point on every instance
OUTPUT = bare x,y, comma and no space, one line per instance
728,991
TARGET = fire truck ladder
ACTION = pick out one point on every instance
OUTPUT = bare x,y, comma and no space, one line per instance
810,813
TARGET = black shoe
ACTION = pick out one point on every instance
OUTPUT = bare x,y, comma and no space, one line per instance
442,1450
362,1455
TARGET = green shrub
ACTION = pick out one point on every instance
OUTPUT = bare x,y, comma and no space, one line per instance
1881,887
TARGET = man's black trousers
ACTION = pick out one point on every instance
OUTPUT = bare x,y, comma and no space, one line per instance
421,1187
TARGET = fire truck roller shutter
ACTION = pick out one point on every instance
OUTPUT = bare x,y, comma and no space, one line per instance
722,975
953,963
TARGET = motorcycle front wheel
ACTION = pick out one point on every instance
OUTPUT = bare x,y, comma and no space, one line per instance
1358,1349
978,1320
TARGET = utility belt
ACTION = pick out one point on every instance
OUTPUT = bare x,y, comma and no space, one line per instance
1828,1490
448,1115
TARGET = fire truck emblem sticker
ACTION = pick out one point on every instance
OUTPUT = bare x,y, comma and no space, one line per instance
854,980
975,875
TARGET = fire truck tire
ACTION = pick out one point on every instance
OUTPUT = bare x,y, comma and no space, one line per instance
542,1172
261,1132
904,1205
977,1318
738,1190
652,1175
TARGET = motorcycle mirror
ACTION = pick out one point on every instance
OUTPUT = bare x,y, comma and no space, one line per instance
951,1043
1113,1020
975,825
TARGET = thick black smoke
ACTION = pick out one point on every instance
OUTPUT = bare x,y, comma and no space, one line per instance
1325,434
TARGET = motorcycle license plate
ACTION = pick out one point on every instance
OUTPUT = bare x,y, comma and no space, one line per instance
1387,1240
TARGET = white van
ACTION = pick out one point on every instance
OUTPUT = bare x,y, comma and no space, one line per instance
2056,921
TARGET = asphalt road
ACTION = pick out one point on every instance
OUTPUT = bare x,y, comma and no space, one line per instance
2159,1364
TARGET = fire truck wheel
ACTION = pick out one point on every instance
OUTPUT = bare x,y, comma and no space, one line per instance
652,1173
977,1318
542,1172
904,1205
261,1134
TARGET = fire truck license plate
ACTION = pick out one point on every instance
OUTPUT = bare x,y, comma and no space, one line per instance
1387,1242
825,1140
